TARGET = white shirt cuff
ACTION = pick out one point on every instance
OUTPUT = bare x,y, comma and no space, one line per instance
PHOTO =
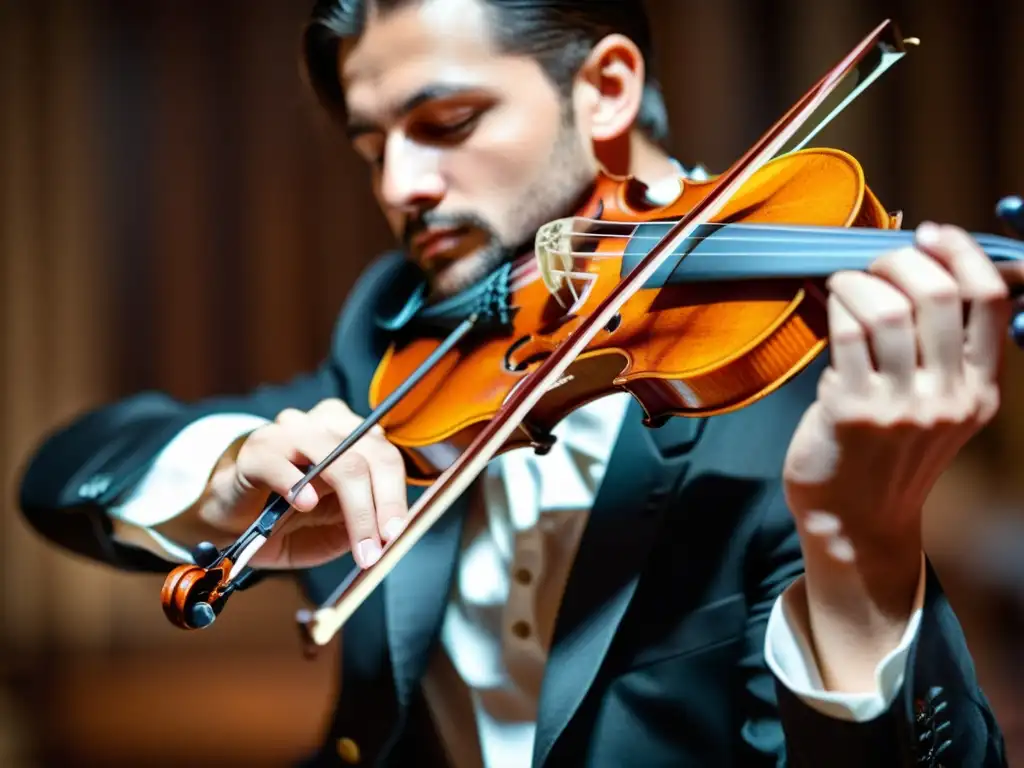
151,541
177,478
790,657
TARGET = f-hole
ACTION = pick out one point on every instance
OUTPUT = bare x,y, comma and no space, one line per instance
524,352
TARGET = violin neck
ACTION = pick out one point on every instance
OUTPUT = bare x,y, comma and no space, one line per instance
758,251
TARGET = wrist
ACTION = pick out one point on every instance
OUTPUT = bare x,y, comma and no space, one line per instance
867,574
860,595
869,590
191,527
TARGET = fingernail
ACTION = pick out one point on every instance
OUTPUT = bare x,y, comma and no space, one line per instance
368,551
305,498
928,233
393,527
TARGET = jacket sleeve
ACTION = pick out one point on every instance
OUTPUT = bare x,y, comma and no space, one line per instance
938,715
95,464
83,469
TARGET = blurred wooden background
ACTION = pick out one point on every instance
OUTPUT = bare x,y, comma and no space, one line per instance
175,214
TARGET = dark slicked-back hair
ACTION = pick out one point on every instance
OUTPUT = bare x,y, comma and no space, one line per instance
559,34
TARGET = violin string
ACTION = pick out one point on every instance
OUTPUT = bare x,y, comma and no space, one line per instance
748,230
803,235
763,234
597,256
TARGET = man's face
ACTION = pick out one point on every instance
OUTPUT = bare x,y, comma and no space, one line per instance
471,150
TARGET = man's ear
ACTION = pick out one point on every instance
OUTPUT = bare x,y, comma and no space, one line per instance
613,75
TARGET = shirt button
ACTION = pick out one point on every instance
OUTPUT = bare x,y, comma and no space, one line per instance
523,575
521,630
348,751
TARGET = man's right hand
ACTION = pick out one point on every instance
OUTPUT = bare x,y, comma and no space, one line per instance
356,504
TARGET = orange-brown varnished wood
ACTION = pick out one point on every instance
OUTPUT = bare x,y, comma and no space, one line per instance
694,349
186,585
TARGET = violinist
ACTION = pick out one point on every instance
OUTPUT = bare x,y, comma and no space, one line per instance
743,589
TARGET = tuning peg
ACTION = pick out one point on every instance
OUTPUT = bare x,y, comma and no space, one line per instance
1011,211
202,615
205,554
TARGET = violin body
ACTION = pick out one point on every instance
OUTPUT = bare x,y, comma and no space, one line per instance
691,349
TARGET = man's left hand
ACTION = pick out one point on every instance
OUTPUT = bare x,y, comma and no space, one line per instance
916,346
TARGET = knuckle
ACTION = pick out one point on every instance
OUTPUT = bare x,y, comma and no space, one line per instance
339,420
894,260
902,266
832,388
265,436
332,407
942,290
262,453
939,412
964,410
852,334
956,236
895,313
996,292
840,281
351,466
247,459
255,465
985,403
840,318
964,246
919,275
288,416
381,452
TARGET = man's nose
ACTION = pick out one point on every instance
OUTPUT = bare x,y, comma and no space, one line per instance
411,181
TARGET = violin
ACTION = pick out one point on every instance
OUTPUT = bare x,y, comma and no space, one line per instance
697,308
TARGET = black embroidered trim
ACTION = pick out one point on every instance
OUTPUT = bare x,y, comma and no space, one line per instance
487,301
931,740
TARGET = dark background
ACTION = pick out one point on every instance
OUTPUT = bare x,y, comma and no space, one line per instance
175,214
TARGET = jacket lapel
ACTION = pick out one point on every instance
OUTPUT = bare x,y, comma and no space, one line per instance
415,595
643,472
416,591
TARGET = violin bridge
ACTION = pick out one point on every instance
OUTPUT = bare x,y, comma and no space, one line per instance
553,249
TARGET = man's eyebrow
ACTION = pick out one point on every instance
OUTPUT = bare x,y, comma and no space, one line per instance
357,127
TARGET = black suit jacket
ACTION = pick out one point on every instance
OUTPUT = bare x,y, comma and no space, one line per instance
657,657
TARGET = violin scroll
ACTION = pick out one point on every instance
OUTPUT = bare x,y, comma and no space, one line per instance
193,596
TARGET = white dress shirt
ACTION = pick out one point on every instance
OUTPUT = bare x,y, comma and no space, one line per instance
518,546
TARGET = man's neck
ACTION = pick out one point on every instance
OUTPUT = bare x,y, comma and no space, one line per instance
638,157
649,163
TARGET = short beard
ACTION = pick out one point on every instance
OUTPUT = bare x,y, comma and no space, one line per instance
465,272
558,192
